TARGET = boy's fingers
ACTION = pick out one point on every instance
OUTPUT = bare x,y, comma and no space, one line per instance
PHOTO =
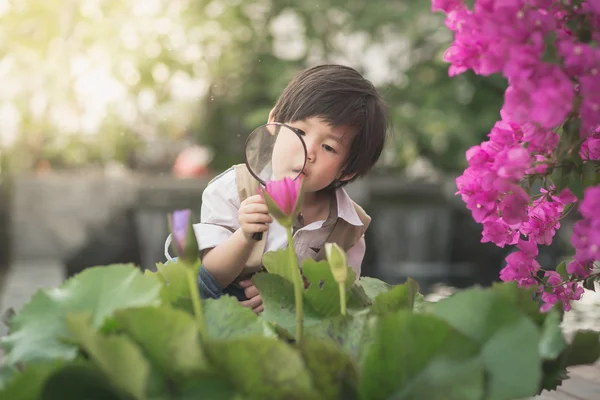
252,303
256,218
254,199
245,283
255,208
259,309
251,291
257,227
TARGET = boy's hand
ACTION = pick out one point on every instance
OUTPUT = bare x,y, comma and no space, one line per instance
253,215
254,300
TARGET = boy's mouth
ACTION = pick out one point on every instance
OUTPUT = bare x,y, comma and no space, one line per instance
300,172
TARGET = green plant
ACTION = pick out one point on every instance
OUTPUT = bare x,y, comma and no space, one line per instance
113,332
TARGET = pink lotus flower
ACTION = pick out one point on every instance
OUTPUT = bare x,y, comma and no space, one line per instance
283,198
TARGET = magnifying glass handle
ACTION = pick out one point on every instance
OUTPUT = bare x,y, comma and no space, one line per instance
257,236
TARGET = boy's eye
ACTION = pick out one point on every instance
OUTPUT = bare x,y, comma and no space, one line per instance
299,131
328,148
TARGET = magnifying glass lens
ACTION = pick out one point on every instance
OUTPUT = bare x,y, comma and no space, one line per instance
275,151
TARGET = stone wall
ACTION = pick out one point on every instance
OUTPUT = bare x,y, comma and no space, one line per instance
53,216
419,229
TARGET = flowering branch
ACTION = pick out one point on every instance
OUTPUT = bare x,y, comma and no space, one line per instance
549,128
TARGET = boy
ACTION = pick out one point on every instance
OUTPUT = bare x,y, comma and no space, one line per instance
343,121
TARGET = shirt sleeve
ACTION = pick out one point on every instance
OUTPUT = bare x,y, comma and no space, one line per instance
219,212
356,254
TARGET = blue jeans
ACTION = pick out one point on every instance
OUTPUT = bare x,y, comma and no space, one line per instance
210,289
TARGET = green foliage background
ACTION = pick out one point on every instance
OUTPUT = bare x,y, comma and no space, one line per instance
232,59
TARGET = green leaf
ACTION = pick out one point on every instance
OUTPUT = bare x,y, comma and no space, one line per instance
550,54
277,295
208,386
160,386
278,300
562,271
420,304
354,333
28,385
571,129
278,263
37,332
226,318
173,275
560,178
589,284
262,368
116,356
79,381
169,338
584,349
419,356
357,297
509,340
333,371
6,374
373,286
554,372
590,175
522,298
401,297
280,332
575,184
552,342
323,294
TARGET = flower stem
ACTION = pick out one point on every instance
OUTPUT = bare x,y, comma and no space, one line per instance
298,285
342,286
193,287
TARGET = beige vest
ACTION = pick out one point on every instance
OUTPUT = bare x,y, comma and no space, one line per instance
343,233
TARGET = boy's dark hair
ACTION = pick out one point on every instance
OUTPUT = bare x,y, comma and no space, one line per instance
342,97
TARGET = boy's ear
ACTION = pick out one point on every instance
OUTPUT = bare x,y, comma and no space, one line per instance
271,115
347,177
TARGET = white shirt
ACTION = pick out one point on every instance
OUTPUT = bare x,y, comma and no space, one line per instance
219,219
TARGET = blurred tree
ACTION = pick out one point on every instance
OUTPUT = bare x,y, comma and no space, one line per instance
91,80
97,80
398,46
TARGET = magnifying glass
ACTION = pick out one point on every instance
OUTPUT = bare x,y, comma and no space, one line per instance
274,151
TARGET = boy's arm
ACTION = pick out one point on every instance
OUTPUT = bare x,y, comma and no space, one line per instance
226,261
226,228
216,231
224,233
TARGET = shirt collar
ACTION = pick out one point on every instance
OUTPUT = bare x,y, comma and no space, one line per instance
342,208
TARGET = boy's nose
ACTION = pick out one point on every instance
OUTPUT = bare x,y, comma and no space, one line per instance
311,153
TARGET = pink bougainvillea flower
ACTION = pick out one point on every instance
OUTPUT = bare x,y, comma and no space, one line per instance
559,292
590,205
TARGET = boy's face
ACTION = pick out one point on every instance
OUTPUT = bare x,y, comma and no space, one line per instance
327,150
288,154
